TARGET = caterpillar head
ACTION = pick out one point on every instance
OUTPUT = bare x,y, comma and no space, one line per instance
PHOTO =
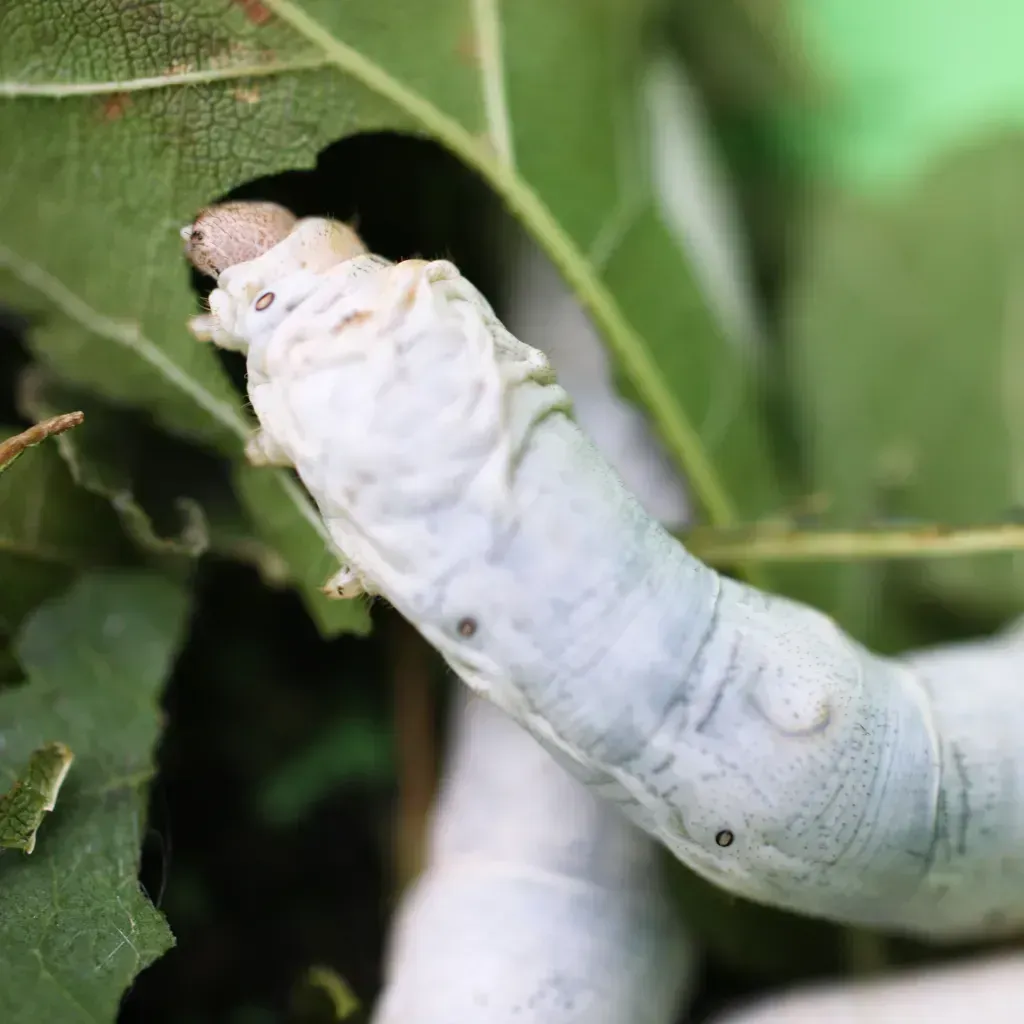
252,246
229,233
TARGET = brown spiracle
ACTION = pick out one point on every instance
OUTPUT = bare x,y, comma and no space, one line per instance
229,233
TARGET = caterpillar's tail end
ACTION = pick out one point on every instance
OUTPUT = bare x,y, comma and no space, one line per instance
228,233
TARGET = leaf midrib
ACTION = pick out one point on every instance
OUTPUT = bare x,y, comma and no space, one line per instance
68,90
488,29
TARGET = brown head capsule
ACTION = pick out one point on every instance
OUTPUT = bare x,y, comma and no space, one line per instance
230,233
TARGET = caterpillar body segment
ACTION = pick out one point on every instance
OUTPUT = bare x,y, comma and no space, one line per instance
542,307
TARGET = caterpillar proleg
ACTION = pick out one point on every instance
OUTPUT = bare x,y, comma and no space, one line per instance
765,748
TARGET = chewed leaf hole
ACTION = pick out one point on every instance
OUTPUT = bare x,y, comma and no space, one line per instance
407,197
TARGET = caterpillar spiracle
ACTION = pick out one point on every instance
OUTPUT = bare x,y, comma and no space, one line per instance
766,749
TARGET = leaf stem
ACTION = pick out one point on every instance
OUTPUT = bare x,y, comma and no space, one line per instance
785,544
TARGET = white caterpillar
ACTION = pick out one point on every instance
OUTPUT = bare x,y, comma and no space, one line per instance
766,749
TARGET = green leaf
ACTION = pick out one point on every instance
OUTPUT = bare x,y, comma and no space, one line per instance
75,927
49,531
906,323
234,536
108,456
168,114
322,996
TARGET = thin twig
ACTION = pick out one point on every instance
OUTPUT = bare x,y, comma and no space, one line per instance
866,953
15,446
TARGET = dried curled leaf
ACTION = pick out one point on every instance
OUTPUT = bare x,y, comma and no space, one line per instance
33,796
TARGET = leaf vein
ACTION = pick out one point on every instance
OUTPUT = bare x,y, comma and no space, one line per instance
126,334
487,28
130,336
205,76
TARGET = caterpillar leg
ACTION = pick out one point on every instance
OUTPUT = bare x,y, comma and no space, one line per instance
202,327
344,585
262,450
207,328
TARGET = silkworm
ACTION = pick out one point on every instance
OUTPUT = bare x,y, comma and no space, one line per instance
766,749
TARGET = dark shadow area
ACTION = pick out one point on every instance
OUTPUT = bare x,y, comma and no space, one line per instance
13,359
261,877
